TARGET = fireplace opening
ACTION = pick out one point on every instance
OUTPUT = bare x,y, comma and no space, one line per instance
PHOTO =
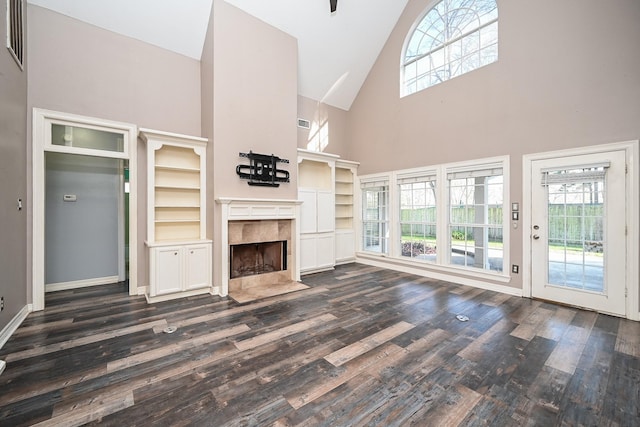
249,259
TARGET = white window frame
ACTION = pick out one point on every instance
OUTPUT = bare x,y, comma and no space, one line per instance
375,181
420,176
471,171
442,226
444,45
42,121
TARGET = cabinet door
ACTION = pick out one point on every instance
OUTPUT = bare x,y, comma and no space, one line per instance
168,274
308,251
326,214
197,261
345,245
308,211
325,250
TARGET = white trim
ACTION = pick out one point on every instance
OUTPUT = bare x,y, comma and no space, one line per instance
75,284
40,127
430,266
122,274
239,209
402,267
14,324
441,171
632,152
182,294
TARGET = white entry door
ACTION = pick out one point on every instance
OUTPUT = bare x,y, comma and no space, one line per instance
578,248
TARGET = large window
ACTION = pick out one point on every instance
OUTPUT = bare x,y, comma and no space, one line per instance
375,216
448,217
476,218
418,217
453,38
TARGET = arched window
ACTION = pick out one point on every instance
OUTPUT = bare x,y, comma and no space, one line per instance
453,38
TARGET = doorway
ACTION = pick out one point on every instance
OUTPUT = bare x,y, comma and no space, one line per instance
578,243
84,221
80,137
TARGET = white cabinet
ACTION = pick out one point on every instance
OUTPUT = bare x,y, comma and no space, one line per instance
326,187
197,263
178,269
166,270
317,215
179,254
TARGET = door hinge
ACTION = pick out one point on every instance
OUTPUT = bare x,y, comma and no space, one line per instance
626,168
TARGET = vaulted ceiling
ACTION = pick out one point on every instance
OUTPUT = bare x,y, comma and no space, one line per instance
336,51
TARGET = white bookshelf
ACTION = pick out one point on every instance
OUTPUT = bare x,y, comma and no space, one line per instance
179,253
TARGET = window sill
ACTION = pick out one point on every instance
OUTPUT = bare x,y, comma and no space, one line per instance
449,269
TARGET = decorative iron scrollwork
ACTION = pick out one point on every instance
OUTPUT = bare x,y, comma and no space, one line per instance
262,170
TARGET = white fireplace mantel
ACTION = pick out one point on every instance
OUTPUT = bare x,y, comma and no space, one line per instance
244,209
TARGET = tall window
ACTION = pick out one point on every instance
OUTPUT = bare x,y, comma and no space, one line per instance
475,218
453,38
418,217
375,216
15,32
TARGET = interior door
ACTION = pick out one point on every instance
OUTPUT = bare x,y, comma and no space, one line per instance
578,231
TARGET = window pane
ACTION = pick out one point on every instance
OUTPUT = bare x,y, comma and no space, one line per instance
476,218
375,215
73,136
417,220
453,38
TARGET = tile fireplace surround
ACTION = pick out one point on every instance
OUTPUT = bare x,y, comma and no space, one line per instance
254,221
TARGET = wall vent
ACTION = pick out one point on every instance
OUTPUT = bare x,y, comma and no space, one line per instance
304,124
15,31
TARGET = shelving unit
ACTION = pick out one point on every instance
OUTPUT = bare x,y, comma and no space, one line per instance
326,187
345,179
317,214
179,253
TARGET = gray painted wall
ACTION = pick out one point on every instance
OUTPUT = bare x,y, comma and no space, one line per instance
81,237
82,69
13,179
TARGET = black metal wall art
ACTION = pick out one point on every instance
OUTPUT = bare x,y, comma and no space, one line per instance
262,170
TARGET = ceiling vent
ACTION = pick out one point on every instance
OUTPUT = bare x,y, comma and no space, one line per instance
304,124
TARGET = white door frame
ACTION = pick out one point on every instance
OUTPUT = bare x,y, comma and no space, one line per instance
41,129
632,153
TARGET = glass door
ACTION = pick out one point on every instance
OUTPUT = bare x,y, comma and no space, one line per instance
578,231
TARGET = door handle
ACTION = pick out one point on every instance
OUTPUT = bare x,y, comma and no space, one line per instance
536,237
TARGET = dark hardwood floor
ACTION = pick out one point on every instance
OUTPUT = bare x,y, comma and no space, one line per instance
362,346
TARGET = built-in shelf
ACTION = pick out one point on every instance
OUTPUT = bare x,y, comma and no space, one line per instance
180,261
345,178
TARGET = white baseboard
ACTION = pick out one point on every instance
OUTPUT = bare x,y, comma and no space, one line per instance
14,324
85,283
442,276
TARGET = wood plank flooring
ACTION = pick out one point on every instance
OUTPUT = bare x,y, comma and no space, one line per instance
361,346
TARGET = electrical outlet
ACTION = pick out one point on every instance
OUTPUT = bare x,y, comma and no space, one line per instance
1,303
515,269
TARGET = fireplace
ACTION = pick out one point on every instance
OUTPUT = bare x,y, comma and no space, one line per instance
247,222
249,259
